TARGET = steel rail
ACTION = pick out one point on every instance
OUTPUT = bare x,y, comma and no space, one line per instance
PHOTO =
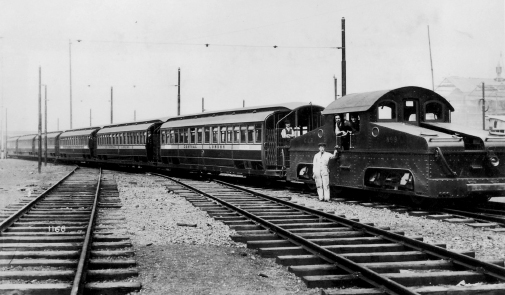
489,269
481,216
373,278
80,275
15,216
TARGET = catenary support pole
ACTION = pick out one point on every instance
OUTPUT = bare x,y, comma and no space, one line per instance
179,93
344,86
40,121
45,125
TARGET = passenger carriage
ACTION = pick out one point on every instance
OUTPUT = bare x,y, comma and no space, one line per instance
78,144
12,145
405,143
52,144
129,143
244,141
27,146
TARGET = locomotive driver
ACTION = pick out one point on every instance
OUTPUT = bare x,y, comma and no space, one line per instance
322,173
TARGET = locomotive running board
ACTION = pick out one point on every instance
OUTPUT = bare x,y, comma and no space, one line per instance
485,187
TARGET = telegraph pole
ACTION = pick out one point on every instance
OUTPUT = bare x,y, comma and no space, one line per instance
45,125
70,62
431,61
483,107
344,88
179,93
40,119
336,87
203,105
111,104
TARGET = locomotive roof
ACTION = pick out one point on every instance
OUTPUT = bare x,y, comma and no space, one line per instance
359,102
79,132
140,126
224,119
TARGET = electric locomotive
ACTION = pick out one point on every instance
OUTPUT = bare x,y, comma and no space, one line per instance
402,141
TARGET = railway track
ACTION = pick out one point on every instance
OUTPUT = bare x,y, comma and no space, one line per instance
341,256
489,216
63,241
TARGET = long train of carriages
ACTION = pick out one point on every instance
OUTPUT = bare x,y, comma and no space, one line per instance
403,143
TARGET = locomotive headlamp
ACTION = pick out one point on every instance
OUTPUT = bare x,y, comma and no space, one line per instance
494,161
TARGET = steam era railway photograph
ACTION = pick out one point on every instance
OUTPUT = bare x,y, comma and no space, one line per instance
333,147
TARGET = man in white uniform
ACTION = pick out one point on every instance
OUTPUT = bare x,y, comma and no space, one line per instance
322,173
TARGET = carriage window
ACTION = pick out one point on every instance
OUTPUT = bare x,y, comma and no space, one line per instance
243,134
163,137
229,136
174,136
410,111
250,133
236,134
207,134
223,134
192,135
433,111
386,110
257,133
186,135
199,135
215,131
144,137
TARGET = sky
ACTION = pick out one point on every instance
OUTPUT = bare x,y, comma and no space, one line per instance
259,52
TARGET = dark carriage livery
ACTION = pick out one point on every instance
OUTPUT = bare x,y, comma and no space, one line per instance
78,144
130,143
52,144
244,141
404,143
27,146
12,146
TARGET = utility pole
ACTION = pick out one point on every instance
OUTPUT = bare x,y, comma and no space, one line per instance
40,120
111,104
483,107
179,93
6,133
45,125
70,62
243,103
431,62
344,88
336,87
203,105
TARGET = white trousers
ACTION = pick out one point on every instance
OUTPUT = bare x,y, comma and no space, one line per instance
323,186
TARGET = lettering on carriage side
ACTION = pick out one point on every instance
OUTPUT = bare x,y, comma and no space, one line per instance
189,146
217,146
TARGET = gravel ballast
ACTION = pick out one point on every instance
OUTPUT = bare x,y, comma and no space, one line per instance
175,259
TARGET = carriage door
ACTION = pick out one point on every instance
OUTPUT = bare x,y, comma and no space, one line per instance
411,111
270,144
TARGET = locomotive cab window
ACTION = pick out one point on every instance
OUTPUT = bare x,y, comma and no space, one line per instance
386,111
434,111
410,112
